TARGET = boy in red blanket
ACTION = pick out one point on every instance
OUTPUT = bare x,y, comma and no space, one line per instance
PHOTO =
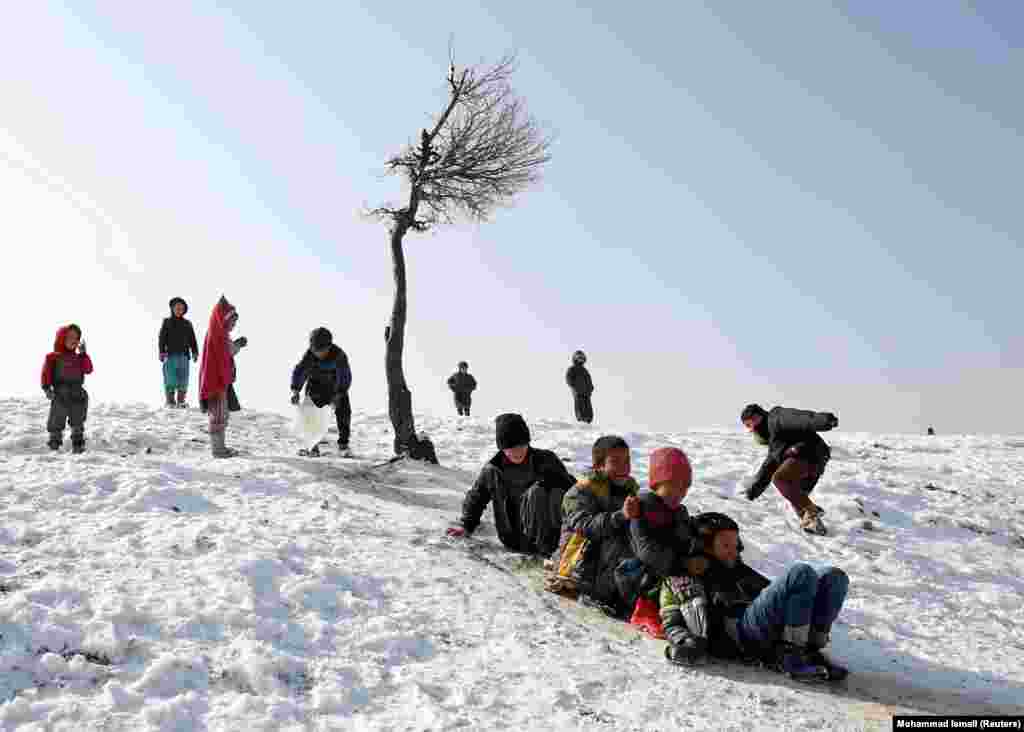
64,372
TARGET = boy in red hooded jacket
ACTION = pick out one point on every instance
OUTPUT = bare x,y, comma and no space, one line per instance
217,373
64,372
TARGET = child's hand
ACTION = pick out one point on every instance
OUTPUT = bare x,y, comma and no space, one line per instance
81,348
49,392
295,397
242,342
163,357
631,508
195,357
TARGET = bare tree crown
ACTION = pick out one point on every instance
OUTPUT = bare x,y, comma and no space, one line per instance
482,150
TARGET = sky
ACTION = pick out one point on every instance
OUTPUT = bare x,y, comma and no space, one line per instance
810,204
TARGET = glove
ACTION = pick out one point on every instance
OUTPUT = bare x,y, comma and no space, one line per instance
242,342
456,532
295,397
163,357
49,392
688,652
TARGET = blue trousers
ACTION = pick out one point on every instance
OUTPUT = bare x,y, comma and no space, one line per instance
807,594
176,369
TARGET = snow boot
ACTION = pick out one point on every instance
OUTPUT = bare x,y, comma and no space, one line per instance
217,447
686,649
170,398
55,441
181,399
798,663
810,520
311,452
77,448
816,641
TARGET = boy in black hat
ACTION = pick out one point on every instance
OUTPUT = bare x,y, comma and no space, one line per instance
582,387
526,487
325,371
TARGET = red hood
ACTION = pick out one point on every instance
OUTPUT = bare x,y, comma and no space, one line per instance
216,371
58,343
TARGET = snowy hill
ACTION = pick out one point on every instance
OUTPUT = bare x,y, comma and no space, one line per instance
144,585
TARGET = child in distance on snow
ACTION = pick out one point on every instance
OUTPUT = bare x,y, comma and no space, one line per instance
582,387
462,385
524,485
325,371
177,341
595,529
64,372
736,612
797,457
217,374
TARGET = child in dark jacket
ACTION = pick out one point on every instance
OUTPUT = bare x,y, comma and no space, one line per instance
797,457
462,385
177,341
325,371
582,387
64,372
524,485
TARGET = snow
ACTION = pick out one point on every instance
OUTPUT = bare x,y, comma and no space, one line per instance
146,586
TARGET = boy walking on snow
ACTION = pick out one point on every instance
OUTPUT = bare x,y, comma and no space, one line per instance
797,457
177,341
64,372
325,371
462,386
525,486
582,387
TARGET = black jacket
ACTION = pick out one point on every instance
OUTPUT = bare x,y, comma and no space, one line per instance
323,377
543,467
662,538
177,336
461,383
578,379
784,428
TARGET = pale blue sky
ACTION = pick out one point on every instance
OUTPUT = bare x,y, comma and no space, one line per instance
785,202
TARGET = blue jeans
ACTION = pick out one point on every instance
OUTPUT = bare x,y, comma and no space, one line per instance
807,594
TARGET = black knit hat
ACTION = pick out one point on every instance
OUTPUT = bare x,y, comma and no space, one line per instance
601,447
710,523
752,410
463,365
320,339
510,430
174,301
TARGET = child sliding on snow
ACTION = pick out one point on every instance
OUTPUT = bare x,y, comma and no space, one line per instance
64,372
177,341
324,370
217,373
735,612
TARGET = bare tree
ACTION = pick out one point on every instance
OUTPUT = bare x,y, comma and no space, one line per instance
483,148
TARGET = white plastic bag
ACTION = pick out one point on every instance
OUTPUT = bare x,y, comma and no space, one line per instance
311,423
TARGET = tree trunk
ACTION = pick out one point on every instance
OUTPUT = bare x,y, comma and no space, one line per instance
399,396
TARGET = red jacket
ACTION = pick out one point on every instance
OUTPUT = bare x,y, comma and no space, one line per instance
64,366
217,369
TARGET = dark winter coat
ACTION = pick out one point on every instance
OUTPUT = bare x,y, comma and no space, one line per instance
323,377
177,335
712,606
784,428
578,379
662,538
461,383
592,510
503,484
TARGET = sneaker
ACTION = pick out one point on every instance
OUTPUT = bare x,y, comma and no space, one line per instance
344,451
810,521
53,446
312,452
834,670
